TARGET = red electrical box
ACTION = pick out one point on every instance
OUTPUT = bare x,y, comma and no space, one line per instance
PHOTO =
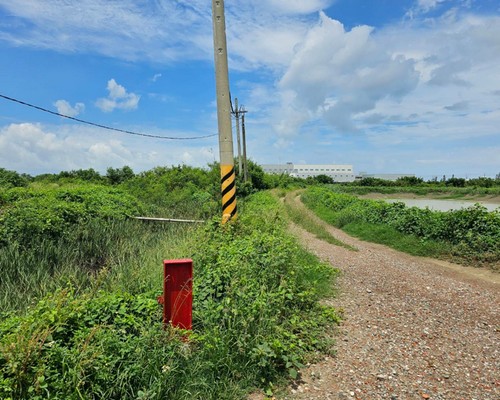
178,293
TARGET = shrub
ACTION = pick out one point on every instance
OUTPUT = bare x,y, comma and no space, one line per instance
32,214
474,230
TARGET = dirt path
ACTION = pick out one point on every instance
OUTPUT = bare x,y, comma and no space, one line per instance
414,328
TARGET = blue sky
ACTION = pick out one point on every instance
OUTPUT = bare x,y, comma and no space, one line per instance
394,86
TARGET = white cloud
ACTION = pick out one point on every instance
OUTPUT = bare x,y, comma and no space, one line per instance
118,98
157,31
426,5
298,6
156,77
65,108
127,29
422,7
336,74
35,149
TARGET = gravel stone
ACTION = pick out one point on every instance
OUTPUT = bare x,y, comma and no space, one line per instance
414,328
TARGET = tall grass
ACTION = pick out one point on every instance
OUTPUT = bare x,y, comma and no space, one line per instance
312,226
123,248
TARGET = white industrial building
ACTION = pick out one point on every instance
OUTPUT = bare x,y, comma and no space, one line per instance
338,172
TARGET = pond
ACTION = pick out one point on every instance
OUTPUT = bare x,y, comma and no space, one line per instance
443,205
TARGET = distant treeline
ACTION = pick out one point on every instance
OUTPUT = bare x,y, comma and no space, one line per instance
258,179
482,182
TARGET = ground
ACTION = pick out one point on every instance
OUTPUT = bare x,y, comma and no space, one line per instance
414,328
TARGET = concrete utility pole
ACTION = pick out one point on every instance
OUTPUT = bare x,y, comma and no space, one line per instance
237,116
228,185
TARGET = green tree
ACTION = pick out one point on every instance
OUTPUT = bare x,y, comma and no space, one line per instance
10,179
409,181
325,179
87,175
116,176
455,182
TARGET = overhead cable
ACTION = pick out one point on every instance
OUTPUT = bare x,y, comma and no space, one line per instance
104,126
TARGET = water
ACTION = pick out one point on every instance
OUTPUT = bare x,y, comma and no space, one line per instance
443,205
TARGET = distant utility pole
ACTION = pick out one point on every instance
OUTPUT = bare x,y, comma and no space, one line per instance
245,162
228,177
239,112
236,113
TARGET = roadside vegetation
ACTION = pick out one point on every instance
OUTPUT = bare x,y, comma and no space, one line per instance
79,317
445,188
469,236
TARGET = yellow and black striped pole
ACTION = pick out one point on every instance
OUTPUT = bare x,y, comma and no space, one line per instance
228,176
228,186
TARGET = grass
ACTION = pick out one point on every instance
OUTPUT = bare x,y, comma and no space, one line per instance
390,237
126,251
309,224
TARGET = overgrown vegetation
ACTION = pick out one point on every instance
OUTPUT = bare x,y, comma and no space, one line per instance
79,313
469,235
451,187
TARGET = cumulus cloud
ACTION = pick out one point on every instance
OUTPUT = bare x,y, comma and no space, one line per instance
35,149
65,108
409,74
337,74
118,98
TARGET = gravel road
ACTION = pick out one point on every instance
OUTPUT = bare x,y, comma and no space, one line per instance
414,328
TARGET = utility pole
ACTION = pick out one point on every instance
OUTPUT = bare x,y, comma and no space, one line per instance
237,116
245,163
228,177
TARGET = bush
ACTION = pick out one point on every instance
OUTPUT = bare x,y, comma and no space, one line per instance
474,230
33,214
9,179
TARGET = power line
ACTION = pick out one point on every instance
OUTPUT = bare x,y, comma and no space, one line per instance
104,126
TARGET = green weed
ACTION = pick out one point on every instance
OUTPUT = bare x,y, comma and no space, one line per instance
302,219
470,235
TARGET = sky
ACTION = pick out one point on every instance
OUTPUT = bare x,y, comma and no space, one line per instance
389,86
